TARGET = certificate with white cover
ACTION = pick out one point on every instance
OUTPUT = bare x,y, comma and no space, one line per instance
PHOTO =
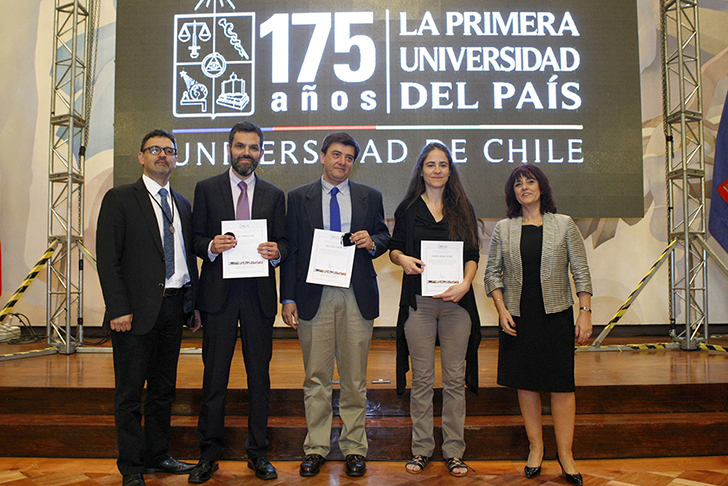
331,262
244,261
443,266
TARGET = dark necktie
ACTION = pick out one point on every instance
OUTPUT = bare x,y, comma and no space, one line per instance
168,236
242,210
335,212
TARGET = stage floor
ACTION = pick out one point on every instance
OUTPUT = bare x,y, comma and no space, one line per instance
674,471
93,367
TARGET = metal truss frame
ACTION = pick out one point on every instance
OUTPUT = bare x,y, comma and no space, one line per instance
685,172
70,110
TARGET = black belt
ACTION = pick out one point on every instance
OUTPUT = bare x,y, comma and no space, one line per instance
173,292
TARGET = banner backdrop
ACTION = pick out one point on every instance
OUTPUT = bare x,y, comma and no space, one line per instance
554,83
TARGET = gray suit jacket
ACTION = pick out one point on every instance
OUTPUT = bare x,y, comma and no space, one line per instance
563,247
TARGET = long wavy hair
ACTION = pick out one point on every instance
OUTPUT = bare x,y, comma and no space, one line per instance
456,206
528,171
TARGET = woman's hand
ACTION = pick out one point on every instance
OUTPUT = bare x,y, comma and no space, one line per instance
454,293
410,265
583,327
506,322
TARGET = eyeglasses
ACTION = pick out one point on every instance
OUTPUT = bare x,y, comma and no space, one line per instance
155,149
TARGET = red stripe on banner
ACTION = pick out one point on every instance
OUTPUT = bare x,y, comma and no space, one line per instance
324,127
723,190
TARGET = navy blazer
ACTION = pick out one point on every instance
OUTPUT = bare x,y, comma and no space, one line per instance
213,205
305,213
130,256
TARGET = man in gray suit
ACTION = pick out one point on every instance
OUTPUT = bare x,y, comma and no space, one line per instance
334,324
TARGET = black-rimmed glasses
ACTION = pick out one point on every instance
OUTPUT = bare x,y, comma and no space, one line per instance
156,149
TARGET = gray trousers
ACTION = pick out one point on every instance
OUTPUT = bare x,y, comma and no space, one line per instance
337,334
451,322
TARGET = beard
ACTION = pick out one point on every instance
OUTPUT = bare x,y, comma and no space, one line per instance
244,165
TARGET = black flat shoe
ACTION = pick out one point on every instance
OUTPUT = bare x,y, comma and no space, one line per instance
574,479
170,466
202,472
311,465
263,468
355,465
532,472
133,480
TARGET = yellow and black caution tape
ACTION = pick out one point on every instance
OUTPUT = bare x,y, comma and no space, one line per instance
28,280
26,354
713,347
633,296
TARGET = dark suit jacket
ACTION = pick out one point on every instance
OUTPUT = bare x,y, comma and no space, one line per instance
305,214
130,256
214,204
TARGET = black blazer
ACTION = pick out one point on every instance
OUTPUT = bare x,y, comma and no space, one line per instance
130,256
214,204
305,213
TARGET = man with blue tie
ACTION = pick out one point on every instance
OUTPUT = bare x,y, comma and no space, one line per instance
334,324
147,272
236,194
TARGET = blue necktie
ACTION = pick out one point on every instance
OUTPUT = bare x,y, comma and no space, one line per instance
335,212
168,236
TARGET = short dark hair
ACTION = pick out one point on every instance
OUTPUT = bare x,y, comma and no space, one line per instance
158,132
340,137
247,127
528,171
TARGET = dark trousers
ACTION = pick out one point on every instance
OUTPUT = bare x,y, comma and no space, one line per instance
220,332
150,358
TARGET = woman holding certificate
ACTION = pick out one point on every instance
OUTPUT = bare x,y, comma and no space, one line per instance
527,276
435,241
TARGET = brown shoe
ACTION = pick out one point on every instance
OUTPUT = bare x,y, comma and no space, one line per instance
355,465
311,465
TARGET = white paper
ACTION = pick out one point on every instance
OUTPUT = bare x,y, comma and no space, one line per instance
331,262
244,261
443,266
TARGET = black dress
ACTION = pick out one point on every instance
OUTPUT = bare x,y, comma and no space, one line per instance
541,356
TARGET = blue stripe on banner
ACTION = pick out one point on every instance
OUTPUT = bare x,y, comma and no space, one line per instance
718,219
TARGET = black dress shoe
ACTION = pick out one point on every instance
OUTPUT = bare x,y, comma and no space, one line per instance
311,465
202,472
574,479
355,465
170,466
263,468
134,480
532,472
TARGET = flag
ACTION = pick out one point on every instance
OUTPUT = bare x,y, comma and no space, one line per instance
718,219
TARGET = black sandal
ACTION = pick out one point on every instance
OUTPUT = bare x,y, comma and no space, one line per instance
419,461
454,463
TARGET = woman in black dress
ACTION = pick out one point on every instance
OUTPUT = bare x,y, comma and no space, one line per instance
436,208
527,276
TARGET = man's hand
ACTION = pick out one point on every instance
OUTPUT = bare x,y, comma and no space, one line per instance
269,250
290,314
222,243
362,240
121,324
198,322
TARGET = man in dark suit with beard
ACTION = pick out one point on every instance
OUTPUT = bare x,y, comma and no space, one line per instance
148,273
237,194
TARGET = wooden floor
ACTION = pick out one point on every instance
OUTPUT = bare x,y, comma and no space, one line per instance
701,471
